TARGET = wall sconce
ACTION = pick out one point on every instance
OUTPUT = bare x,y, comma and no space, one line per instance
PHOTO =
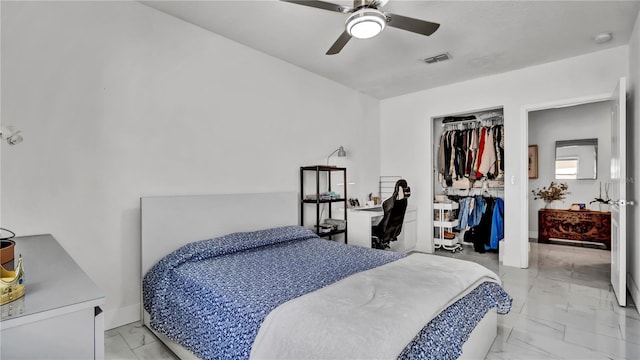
340,151
12,136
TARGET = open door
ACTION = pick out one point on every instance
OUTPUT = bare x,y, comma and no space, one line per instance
619,193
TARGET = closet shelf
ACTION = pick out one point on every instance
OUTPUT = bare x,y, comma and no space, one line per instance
445,224
445,206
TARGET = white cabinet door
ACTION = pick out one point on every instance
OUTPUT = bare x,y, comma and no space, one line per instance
408,236
68,336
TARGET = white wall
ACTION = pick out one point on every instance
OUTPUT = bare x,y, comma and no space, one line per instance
633,165
118,101
410,153
584,121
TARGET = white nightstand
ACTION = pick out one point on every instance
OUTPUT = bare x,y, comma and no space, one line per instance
60,315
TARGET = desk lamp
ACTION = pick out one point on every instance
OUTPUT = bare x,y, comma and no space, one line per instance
340,151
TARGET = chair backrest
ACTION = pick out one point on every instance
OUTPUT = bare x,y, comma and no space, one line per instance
394,209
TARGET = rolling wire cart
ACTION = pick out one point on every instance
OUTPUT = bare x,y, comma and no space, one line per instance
445,219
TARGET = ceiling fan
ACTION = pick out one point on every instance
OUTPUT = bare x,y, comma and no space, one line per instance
366,20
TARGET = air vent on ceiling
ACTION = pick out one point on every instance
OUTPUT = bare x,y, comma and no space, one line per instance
437,58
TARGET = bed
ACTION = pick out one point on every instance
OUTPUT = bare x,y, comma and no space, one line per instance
229,276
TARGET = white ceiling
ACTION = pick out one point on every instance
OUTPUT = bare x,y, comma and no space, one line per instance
482,37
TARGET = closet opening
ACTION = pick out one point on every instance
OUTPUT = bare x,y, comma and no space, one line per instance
468,185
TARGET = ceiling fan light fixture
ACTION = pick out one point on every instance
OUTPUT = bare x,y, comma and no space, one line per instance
366,23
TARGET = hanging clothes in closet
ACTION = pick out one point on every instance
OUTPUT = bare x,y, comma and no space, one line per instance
470,152
483,219
470,211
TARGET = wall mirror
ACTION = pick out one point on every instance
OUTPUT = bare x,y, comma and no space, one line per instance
577,159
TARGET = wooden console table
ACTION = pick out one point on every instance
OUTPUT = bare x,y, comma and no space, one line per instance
578,226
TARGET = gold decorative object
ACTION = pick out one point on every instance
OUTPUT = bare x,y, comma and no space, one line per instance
6,253
11,283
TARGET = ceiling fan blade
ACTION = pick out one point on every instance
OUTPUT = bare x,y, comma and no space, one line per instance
411,24
378,3
321,5
339,44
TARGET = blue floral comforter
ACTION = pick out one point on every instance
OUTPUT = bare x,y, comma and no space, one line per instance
211,296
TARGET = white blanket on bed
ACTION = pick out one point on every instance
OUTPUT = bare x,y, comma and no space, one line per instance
372,314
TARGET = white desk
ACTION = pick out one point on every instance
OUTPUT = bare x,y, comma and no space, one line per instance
360,221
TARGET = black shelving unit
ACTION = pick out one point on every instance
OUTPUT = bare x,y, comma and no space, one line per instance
322,170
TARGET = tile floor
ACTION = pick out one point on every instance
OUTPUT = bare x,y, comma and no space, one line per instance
563,308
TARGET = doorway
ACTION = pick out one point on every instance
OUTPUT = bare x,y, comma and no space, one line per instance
468,184
586,261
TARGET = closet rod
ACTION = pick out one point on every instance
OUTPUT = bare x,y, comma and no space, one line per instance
460,122
471,124
495,192
495,120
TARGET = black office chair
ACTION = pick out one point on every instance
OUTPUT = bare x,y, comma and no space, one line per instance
391,224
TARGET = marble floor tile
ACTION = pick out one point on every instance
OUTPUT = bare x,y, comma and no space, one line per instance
509,351
534,325
115,348
516,276
570,287
549,312
630,329
551,285
629,311
596,283
585,302
552,348
517,292
517,304
509,320
136,335
154,351
556,273
586,290
599,322
609,330
110,333
504,331
608,346
586,278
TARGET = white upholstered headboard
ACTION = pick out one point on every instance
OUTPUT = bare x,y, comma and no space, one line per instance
168,222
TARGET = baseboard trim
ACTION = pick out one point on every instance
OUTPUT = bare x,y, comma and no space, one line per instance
121,316
633,290
533,234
